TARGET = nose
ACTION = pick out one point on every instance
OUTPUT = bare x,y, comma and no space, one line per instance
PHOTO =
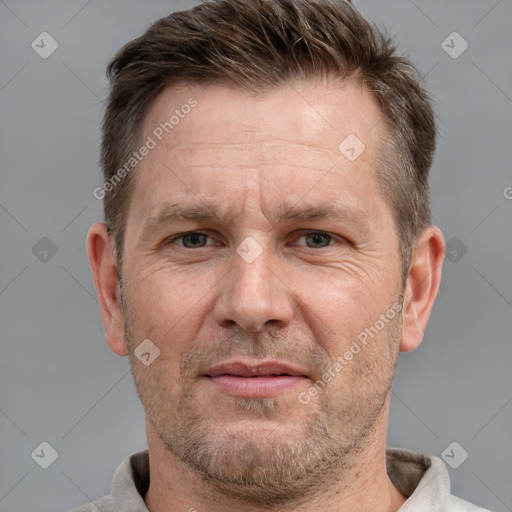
253,296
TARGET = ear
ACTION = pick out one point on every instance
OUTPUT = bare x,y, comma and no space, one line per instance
104,274
423,282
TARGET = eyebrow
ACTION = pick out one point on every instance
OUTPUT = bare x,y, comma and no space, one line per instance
355,218
170,213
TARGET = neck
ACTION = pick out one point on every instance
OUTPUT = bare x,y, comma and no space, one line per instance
364,486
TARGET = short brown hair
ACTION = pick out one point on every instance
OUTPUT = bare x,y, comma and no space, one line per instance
259,45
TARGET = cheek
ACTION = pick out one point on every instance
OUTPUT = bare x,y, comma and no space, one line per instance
341,311
159,390
156,294
168,308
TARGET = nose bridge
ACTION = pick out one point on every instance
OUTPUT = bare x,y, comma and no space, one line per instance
253,296
252,272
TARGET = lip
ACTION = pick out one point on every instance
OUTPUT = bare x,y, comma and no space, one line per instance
255,380
257,369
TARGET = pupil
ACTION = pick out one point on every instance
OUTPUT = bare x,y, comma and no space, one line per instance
318,239
194,239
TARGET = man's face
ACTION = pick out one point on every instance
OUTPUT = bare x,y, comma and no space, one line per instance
264,297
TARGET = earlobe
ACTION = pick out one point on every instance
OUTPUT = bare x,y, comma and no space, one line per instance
423,282
104,273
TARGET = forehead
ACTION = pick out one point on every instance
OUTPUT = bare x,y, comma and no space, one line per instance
223,143
315,115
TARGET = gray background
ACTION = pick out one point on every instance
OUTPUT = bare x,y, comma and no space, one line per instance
59,382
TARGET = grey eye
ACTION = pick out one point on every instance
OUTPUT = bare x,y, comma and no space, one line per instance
193,240
317,240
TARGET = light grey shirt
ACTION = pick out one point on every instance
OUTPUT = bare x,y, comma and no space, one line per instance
422,479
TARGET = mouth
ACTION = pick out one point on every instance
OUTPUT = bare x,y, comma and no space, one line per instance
255,380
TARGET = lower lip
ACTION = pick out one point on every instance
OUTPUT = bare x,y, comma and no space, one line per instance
255,387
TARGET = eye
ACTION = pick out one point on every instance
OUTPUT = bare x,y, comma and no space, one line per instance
316,239
197,240
191,240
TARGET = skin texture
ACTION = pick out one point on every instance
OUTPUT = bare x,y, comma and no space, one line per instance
302,301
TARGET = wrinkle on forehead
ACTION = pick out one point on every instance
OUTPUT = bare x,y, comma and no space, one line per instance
251,156
253,153
308,112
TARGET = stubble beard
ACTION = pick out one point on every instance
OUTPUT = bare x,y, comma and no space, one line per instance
289,463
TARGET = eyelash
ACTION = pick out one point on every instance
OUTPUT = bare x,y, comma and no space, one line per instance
182,235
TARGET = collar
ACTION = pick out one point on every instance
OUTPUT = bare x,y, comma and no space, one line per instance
422,479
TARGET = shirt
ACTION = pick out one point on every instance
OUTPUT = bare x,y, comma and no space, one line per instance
423,479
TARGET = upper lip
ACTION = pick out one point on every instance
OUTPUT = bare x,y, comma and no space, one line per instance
254,369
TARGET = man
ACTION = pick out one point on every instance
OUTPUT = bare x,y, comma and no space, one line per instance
266,254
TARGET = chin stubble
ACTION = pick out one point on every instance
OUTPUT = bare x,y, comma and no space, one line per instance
285,466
